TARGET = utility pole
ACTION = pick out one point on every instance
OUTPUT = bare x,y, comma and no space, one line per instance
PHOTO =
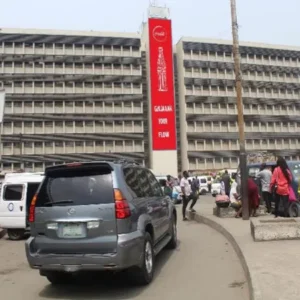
239,102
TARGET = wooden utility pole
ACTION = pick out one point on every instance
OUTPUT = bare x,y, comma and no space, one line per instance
239,102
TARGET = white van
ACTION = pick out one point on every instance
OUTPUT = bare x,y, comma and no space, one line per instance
203,185
17,191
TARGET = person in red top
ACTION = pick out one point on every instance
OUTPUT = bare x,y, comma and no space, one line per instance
281,180
253,198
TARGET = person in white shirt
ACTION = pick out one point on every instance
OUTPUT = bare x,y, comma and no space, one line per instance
233,192
187,195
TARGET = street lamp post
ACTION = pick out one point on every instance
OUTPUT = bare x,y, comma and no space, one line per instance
239,101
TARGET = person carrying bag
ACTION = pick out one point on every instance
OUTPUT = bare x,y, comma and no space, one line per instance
281,186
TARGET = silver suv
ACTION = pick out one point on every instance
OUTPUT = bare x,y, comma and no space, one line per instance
98,216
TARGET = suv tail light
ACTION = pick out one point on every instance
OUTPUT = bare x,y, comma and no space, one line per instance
121,205
32,209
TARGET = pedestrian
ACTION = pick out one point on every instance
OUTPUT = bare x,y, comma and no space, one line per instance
170,181
168,191
186,195
253,199
280,185
233,192
222,189
197,183
195,193
265,176
227,182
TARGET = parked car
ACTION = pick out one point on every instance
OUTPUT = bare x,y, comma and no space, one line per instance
294,166
203,185
96,216
216,187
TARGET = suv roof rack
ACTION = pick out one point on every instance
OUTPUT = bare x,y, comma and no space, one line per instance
124,160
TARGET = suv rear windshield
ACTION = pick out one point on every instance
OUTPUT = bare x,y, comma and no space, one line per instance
75,186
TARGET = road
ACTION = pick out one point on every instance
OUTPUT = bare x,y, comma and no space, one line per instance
204,266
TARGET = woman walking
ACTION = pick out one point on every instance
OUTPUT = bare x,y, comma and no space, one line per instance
280,184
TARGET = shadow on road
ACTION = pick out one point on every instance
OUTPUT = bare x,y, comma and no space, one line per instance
104,285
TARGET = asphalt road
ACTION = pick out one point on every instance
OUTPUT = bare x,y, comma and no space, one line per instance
204,266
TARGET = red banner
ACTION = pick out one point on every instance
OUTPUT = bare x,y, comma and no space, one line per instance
162,85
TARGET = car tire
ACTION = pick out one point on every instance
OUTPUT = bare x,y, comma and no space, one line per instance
143,275
16,234
59,278
294,210
173,242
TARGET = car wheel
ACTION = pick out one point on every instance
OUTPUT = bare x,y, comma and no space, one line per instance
173,242
294,210
16,234
59,278
143,275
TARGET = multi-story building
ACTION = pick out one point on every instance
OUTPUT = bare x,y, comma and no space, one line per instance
207,99
85,95
70,96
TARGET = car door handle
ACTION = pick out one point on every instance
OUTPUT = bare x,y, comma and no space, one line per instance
21,208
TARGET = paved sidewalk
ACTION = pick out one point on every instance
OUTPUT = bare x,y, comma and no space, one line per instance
274,267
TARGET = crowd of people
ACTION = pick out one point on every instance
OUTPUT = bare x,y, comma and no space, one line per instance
275,186
189,190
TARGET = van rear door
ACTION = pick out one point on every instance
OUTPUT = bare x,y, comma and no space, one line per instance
75,211
13,205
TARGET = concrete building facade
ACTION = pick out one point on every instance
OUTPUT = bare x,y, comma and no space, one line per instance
73,96
207,100
70,96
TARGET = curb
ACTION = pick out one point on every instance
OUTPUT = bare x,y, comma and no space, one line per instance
254,291
2,233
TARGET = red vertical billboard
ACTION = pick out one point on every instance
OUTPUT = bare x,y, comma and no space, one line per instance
162,85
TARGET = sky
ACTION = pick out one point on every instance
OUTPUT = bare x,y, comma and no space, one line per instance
268,21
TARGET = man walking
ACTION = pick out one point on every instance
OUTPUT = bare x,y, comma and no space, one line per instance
187,195
227,182
265,176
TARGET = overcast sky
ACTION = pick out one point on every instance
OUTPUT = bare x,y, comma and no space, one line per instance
269,21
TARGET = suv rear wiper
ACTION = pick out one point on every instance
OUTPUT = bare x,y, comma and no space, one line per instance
50,203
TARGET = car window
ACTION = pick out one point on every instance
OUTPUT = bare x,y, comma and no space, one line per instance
144,183
132,180
76,187
156,189
202,180
13,192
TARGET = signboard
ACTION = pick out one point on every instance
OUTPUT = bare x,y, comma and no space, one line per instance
162,85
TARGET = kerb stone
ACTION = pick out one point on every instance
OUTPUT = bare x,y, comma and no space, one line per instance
275,229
